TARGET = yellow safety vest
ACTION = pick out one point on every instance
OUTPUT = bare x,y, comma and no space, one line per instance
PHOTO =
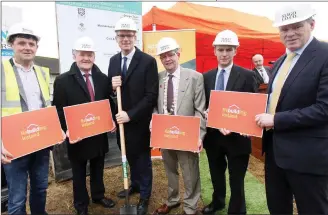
10,98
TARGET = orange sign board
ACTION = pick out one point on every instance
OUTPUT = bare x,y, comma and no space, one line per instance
175,132
31,131
236,111
89,119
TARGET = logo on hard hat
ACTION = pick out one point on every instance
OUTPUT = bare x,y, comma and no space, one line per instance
125,25
165,47
288,16
226,40
27,31
85,46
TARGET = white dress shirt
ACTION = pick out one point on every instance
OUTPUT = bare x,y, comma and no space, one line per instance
31,86
90,78
129,56
226,75
175,81
264,74
294,61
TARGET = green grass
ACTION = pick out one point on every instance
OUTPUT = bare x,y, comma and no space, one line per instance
254,190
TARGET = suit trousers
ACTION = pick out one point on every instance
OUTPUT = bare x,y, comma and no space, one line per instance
310,191
218,159
141,173
80,193
189,164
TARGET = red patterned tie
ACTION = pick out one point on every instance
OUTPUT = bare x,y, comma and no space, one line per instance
87,80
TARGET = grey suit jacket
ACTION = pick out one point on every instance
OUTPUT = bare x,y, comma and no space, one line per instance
191,96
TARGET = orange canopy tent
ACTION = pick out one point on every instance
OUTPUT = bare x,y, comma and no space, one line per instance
256,34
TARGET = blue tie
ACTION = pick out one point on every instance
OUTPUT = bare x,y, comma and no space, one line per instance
125,68
220,81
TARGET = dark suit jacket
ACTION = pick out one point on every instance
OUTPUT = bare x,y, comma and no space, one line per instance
71,89
240,80
139,97
300,135
258,76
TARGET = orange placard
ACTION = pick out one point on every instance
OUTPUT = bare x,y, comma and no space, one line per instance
31,131
236,111
89,119
175,132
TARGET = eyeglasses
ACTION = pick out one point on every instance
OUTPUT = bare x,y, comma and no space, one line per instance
122,36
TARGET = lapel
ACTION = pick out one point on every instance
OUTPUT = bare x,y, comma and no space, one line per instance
183,85
96,81
80,80
234,74
162,76
19,82
212,79
258,75
134,62
274,72
306,57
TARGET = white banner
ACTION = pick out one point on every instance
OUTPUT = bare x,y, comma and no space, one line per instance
10,16
96,20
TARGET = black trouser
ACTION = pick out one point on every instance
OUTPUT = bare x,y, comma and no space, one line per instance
310,191
141,173
80,193
237,166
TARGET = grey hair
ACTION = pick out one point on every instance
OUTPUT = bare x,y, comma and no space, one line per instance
309,20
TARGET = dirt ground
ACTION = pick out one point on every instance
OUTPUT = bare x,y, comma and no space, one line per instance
60,196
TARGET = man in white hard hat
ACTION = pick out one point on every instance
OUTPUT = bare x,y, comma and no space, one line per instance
136,72
295,140
84,83
25,87
223,147
177,99
262,72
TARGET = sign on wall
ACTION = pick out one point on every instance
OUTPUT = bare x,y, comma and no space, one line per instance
10,16
96,20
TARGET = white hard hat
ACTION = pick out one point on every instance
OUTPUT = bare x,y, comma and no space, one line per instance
125,23
292,14
226,37
166,44
84,44
21,28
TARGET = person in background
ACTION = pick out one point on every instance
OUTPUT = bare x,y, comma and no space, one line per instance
262,73
295,139
84,83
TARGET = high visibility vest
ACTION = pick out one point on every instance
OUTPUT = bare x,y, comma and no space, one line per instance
10,97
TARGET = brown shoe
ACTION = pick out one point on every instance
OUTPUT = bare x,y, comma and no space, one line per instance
165,209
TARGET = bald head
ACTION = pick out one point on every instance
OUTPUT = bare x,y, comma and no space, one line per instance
258,61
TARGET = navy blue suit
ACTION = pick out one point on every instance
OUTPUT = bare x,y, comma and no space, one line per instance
139,97
296,149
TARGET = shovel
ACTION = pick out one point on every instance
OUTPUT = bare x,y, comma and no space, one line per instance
126,208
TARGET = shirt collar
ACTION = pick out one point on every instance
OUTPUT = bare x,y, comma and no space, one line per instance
175,74
130,55
300,51
22,68
227,69
262,68
90,73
